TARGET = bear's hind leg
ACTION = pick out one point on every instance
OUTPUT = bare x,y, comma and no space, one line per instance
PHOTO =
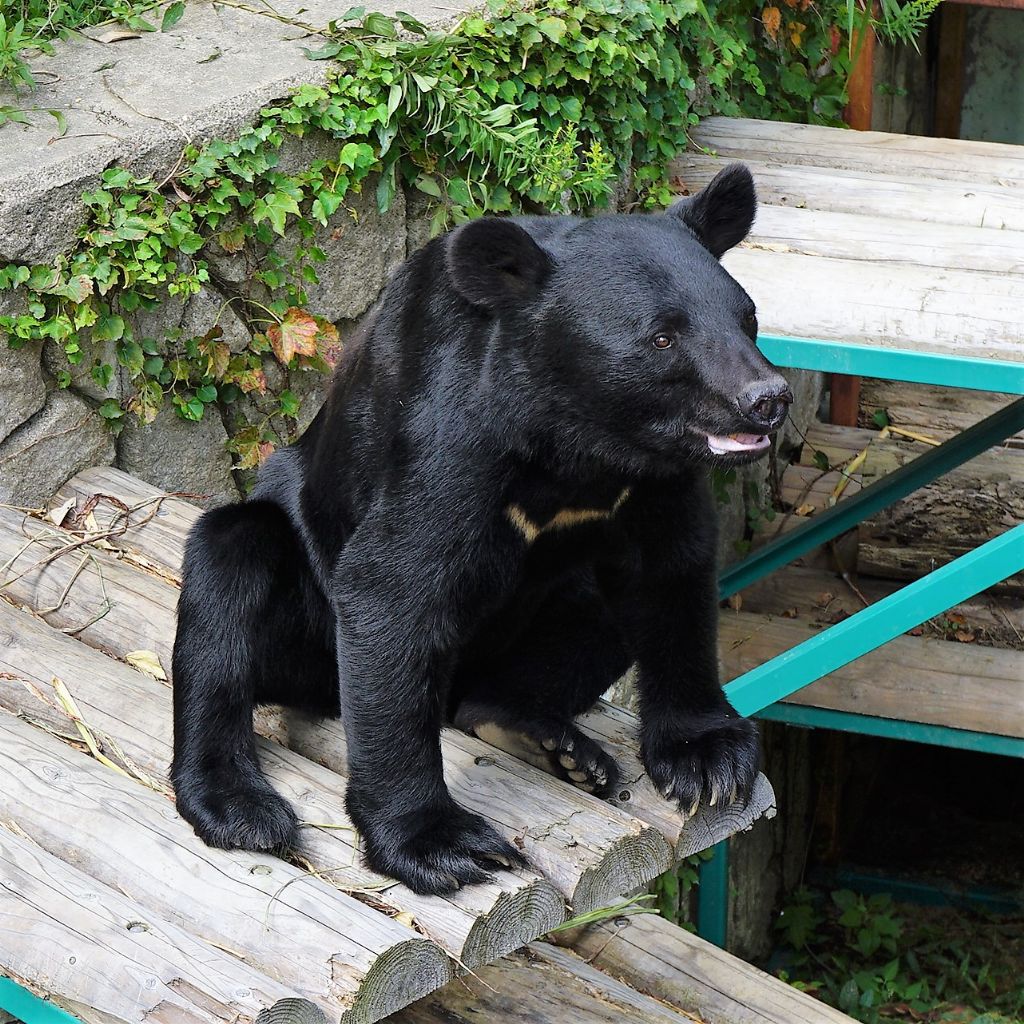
524,700
246,636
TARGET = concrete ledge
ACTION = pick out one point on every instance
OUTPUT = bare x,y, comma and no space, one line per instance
137,102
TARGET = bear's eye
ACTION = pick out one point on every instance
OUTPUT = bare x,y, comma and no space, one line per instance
661,341
750,324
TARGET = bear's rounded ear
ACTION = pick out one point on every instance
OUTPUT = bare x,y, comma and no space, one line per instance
722,213
495,264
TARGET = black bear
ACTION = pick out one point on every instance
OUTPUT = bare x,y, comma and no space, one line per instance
502,505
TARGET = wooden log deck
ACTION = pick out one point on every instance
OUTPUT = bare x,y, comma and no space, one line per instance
114,908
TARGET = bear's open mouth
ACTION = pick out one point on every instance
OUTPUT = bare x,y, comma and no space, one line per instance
738,443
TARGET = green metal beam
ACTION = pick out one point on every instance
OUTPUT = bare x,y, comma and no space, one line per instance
713,896
949,371
848,513
879,623
893,729
27,1007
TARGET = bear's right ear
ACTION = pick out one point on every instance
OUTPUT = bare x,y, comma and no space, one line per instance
495,264
722,213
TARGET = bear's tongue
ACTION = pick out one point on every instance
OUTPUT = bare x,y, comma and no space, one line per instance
737,443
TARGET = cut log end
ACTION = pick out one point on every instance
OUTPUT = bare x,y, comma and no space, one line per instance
400,975
514,919
630,863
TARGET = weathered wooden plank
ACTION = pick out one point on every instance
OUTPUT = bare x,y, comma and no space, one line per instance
940,521
155,522
539,984
886,240
604,854
663,961
106,957
926,309
914,679
287,923
917,156
946,518
822,597
475,925
905,198
935,412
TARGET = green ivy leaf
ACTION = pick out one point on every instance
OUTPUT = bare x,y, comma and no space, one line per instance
109,327
289,404
553,28
172,15
207,393
111,409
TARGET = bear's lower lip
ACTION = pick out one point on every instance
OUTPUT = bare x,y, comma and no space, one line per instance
738,443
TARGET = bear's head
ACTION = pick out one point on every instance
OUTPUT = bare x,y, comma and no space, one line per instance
634,343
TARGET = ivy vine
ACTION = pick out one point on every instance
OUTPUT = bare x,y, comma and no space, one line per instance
547,108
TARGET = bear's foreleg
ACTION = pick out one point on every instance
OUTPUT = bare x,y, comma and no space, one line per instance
694,745
404,607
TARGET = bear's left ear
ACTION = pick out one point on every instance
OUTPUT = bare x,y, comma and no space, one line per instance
494,263
722,213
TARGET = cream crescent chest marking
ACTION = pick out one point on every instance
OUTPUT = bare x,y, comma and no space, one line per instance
564,519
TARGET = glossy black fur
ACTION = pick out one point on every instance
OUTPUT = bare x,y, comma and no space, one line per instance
377,571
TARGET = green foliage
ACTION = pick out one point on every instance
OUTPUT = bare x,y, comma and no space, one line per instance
877,961
672,890
548,108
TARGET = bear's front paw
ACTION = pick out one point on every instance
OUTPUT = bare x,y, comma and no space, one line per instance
706,761
240,814
435,850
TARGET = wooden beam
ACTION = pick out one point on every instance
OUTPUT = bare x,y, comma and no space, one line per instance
949,72
295,927
821,596
540,983
887,193
874,238
860,86
913,679
475,925
107,957
915,157
667,963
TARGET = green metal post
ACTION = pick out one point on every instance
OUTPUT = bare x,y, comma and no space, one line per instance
849,512
713,896
879,623
25,1006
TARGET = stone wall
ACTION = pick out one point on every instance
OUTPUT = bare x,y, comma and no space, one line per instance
47,433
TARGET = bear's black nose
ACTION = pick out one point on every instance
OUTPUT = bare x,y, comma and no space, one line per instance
766,403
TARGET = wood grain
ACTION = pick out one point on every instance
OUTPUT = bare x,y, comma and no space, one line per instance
475,925
915,156
110,958
539,985
914,679
663,961
875,194
358,964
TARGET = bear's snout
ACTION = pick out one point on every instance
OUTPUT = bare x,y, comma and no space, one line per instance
766,403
